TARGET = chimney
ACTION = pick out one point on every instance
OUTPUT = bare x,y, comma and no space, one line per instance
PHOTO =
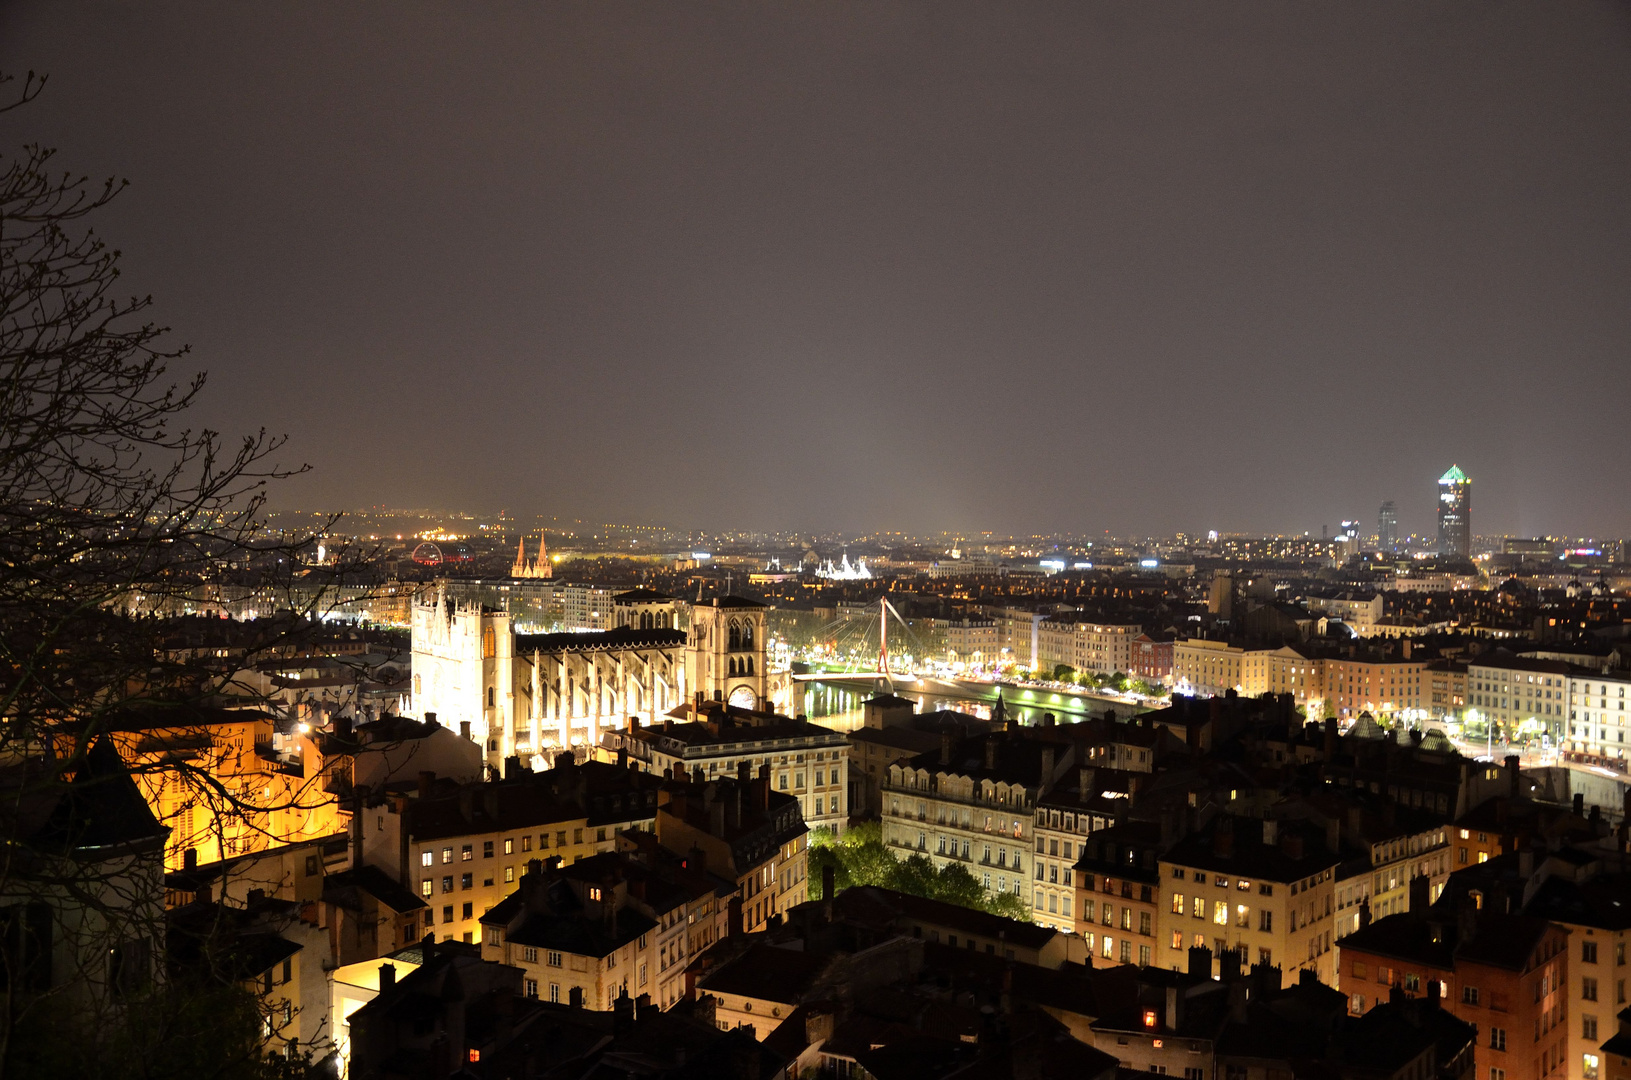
430,720
744,772
1333,835
1330,739
1174,1010
1364,913
387,977
1088,786
764,789
733,917
990,753
946,749
1229,965
1420,891
622,1014
1200,962
1579,804
716,818
1046,780
1432,984
574,997
1223,846
1512,776
512,767
464,729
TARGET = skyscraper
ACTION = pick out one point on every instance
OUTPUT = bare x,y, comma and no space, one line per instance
1387,527
1455,514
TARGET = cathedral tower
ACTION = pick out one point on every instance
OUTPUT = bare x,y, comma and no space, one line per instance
726,652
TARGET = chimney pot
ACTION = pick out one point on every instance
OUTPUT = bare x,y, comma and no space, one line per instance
1200,962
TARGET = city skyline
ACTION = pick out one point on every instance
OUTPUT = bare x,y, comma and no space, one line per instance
885,541
1244,268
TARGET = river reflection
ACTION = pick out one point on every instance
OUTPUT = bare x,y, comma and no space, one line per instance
838,705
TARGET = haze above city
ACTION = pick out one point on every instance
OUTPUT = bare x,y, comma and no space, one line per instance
1144,270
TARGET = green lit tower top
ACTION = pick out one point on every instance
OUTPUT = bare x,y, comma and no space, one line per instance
1455,514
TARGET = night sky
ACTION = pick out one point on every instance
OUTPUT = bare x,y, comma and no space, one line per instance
1022,267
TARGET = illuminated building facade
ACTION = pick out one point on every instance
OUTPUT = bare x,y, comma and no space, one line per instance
1455,514
1101,648
526,694
1264,886
726,657
1207,668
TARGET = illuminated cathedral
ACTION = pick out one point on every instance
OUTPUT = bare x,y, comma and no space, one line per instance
531,568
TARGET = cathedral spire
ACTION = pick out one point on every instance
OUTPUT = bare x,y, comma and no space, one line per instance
520,567
542,567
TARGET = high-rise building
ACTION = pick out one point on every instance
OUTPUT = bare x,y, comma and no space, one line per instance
1387,527
1455,514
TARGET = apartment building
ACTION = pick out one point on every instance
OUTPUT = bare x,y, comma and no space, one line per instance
1118,893
1265,886
1386,684
611,925
461,848
744,832
971,642
1284,670
1207,668
807,761
1064,816
891,729
1150,657
1401,848
586,607
1086,645
1446,683
1506,973
973,803
1522,697
1019,634
1597,717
